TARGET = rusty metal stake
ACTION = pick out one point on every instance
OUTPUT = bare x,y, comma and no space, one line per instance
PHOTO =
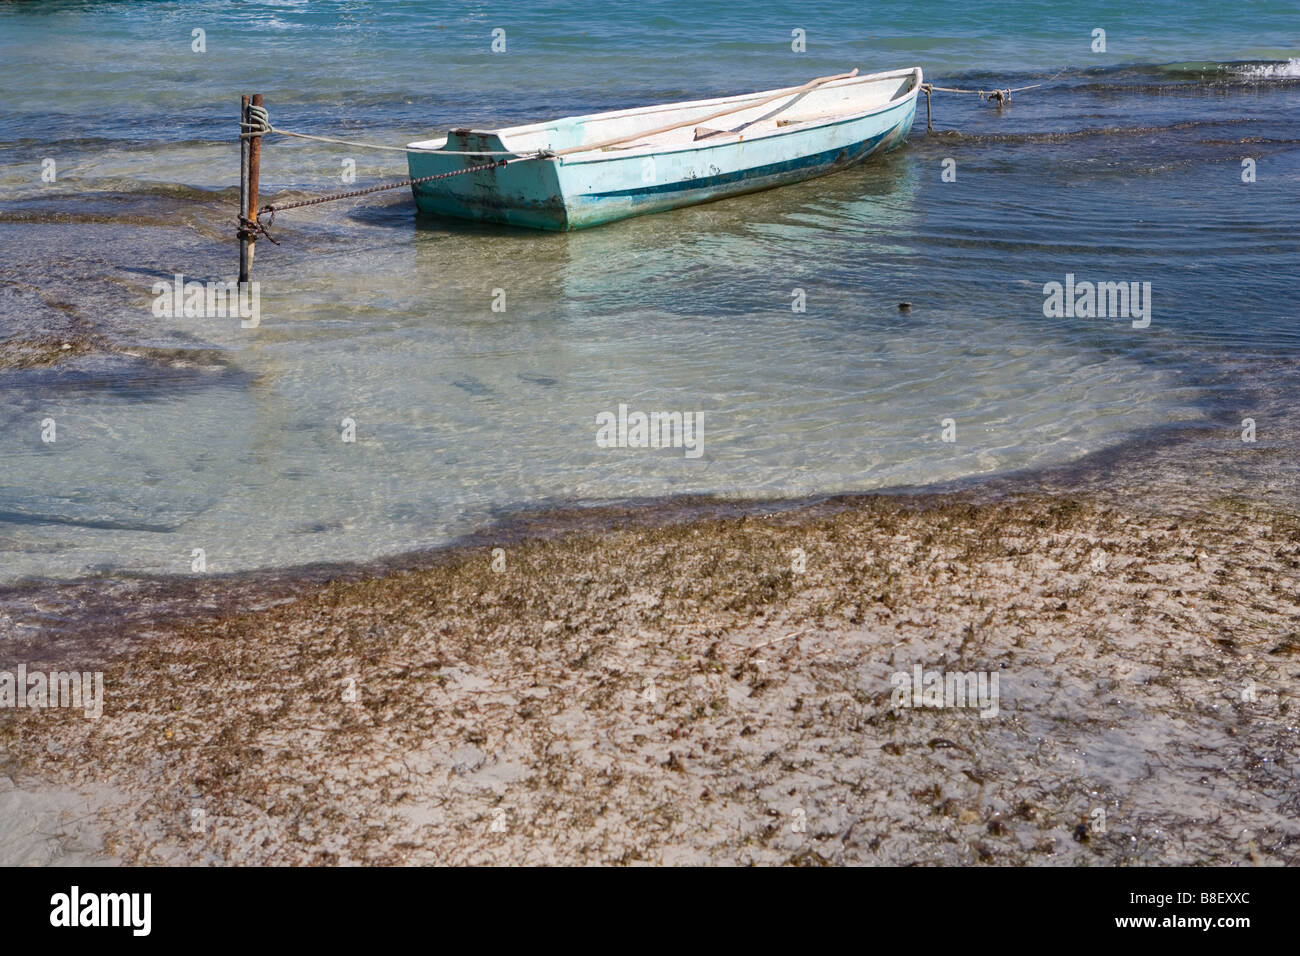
243,188
250,168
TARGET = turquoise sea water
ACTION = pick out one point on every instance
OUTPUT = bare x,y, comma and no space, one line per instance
177,434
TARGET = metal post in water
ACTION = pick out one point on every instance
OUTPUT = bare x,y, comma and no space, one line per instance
254,176
245,254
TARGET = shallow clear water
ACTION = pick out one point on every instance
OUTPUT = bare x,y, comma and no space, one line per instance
178,434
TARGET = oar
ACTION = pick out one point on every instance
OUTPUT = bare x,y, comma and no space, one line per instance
794,91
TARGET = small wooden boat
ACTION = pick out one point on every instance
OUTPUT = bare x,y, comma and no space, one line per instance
585,170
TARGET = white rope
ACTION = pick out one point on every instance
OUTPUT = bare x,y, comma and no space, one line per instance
987,93
262,131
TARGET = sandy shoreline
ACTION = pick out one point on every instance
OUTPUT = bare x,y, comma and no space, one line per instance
681,692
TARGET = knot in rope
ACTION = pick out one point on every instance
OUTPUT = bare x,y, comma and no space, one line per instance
250,229
258,122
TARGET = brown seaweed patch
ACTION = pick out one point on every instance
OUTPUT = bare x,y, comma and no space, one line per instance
690,692
43,351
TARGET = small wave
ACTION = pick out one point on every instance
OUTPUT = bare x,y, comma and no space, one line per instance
1290,70
1137,77
1240,71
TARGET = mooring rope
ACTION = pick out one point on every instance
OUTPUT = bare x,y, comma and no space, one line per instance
260,125
1001,97
274,207
250,229
393,149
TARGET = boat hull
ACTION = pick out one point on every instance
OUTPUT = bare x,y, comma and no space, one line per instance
588,189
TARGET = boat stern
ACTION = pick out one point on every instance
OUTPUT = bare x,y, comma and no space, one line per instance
523,192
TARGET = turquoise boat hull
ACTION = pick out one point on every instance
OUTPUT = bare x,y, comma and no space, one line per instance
818,132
